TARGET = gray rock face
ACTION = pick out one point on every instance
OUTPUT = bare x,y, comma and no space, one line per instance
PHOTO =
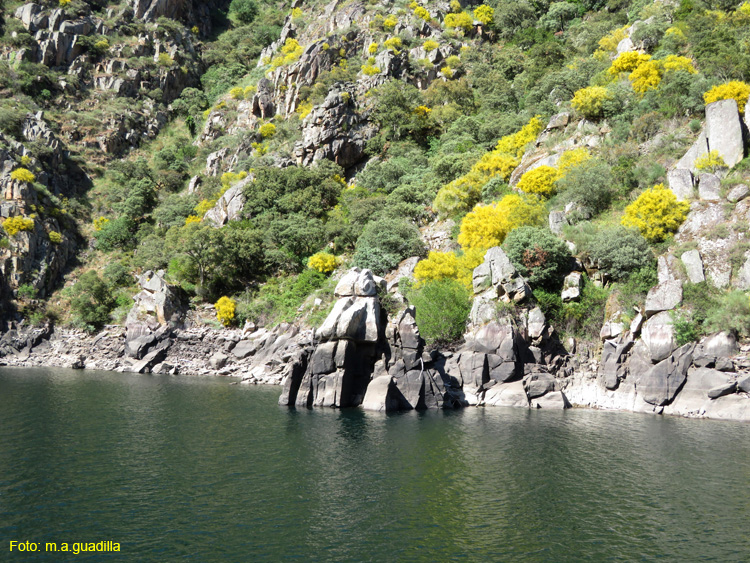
738,193
229,207
495,279
724,131
720,345
557,221
660,384
742,279
668,268
664,297
743,385
680,181
693,266
709,187
658,335
572,287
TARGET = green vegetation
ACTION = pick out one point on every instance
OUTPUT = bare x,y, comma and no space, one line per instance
442,310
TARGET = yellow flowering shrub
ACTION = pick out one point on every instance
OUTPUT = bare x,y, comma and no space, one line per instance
304,109
237,93
461,21
430,45
609,42
484,14
390,22
204,206
54,237
322,262
229,178
488,225
249,91
422,13
674,63
647,76
571,159
422,111
540,180
393,44
462,193
296,13
449,265
192,219
710,162
22,175
589,101
225,308
267,130
627,62
447,72
735,89
373,48
25,160
370,70
14,225
99,223
656,213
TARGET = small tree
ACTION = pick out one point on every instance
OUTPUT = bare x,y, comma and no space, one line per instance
244,10
620,252
656,213
92,300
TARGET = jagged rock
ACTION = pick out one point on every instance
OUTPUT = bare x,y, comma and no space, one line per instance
536,323
360,283
244,349
720,345
658,335
262,103
322,360
611,329
664,297
722,390
538,384
659,385
218,360
558,121
709,187
625,45
355,317
680,181
738,193
637,323
572,287
722,133
151,359
743,385
229,207
215,160
668,268
498,279
555,400
693,396
693,266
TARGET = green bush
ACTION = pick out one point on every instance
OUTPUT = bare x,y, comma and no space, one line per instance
385,242
590,185
244,10
620,252
539,256
92,300
443,308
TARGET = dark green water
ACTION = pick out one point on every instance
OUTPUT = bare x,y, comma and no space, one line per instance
197,469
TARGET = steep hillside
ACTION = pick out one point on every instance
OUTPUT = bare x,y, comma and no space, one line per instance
254,152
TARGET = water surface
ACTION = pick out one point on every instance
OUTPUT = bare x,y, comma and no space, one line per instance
178,468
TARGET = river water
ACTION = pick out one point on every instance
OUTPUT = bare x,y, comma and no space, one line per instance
197,469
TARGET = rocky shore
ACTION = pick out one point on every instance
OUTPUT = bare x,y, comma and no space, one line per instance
362,357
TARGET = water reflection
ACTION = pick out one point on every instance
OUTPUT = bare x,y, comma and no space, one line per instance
199,469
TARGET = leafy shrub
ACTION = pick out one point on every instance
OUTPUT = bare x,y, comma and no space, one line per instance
735,89
589,101
488,225
442,308
590,185
117,233
540,180
92,300
237,93
538,255
385,242
225,309
244,10
675,63
732,314
646,77
627,62
26,291
322,262
620,252
165,60
22,175
421,12
55,237
13,225
656,213
430,45
370,70
393,44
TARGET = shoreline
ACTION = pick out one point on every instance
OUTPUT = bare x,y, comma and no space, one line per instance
262,357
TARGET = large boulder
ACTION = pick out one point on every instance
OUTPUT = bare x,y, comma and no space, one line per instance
680,181
229,207
658,335
664,297
694,266
722,133
659,385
